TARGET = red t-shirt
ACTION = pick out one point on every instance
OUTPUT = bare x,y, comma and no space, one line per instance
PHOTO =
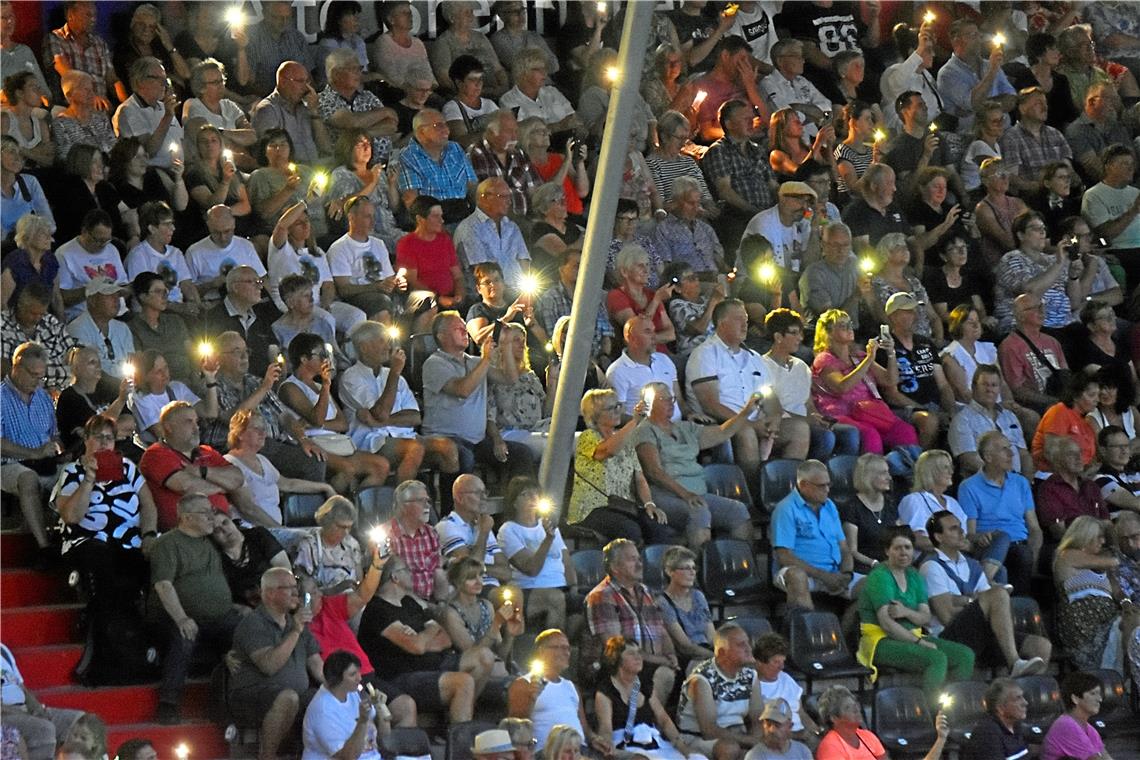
159,462
432,260
549,169
618,300
330,628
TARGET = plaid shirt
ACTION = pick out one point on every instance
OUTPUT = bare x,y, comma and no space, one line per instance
557,301
1028,154
30,423
445,179
521,176
95,59
746,165
612,611
50,333
330,101
230,395
420,552
693,243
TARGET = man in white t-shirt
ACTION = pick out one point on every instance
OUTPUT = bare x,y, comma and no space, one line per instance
211,258
1112,208
88,255
753,22
360,264
786,227
639,364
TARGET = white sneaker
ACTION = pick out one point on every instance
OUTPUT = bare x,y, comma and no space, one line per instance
1027,667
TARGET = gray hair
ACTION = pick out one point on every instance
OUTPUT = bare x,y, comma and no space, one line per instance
527,127
889,242
496,118
188,500
233,274
591,405
830,702
400,496
449,8
198,73
831,228
417,72
684,185
335,508
424,117
809,467
146,9
628,256
72,79
529,58
338,59
273,572
874,174
610,551
366,331
141,67
28,226
671,121
544,197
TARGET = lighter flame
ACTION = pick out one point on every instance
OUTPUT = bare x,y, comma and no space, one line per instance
173,146
320,180
765,390
506,595
128,370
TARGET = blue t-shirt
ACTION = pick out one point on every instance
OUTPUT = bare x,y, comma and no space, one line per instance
813,538
997,507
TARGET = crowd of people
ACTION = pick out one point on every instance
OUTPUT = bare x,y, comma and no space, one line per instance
897,245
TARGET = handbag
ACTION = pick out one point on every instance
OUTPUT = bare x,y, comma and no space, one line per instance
337,444
1058,378
875,413
621,504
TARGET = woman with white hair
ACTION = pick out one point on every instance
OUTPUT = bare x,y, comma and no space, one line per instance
667,163
632,298
893,277
461,38
209,105
32,261
553,234
331,555
81,121
419,84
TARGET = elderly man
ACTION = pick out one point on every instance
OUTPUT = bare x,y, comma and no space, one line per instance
1030,145
970,610
777,742
433,165
621,605
561,702
556,301
985,413
344,104
683,236
75,45
737,170
498,155
383,411
467,531
278,660
292,106
639,365
997,735
1029,357
489,235
967,80
787,87
795,240
835,282
149,114
88,255
97,327
211,258
29,440
26,320
1096,129
1078,60
733,77
242,311
1119,482
721,376
532,96
922,396
194,603
721,702
1127,551
1066,494
361,265
416,542
274,40
873,212
809,543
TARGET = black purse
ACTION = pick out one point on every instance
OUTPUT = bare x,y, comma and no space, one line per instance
1058,378
627,507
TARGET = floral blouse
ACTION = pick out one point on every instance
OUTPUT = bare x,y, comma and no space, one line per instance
613,476
884,290
517,405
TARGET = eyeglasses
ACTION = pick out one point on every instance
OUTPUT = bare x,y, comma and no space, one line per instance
1036,227
819,485
318,354
306,80
104,437
258,282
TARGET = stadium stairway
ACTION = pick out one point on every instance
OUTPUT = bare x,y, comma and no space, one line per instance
39,621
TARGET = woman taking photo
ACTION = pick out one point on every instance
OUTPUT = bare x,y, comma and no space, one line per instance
477,629
1090,615
553,234
953,284
86,397
343,720
81,123
533,545
893,608
520,406
661,85
356,175
331,555
844,384
22,119
684,607
790,151
856,152
566,169
307,395
606,464
427,254
1071,735
870,512
633,297
138,182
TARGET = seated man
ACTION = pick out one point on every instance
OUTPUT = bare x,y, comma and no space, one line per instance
192,599
489,235
88,255
292,106
733,77
917,146
922,396
1029,356
242,311
40,727
96,326
1118,480
555,302
497,154
998,735
787,87
1066,494
835,282
468,531
1096,129
722,374
278,658
1127,552
361,265
817,559
415,541
433,165
737,170
26,320
214,256
721,701
684,236
149,114
985,414
998,499
967,609
777,742
638,365
609,613
345,105
873,213
1031,144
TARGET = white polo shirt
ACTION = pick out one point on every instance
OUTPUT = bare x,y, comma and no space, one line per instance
740,372
551,105
627,377
792,383
360,388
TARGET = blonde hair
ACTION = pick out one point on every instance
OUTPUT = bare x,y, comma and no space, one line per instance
1080,533
823,327
861,478
924,468
592,403
239,423
560,738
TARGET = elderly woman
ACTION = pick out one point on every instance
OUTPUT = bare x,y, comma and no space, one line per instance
666,162
845,384
461,38
855,153
520,406
594,102
331,555
1089,614
953,283
1071,735
621,693
632,296
477,628
930,213
988,129
894,276
468,112
790,150
341,30
32,261
850,71
344,720
86,397
684,607
81,123
419,85
1036,268
533,544
108,518
662,87
357,175
155,389
893,608
605,464
210,106
667,450
846,739
303,316
567,169
869,512
996,211
628,231
553,234
148,38
1099,349
23,119
397,48
1068,419
246,553
281,183
20,193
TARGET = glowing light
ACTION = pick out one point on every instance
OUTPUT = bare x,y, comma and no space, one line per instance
128,371
281,358
999,39
529,284
933,127
699,98
731,275
767,272
292,168
945,700
880,135
393,332
320,180
613,73
544,506
205,350
228,155
537,668
650,397
867,264
182,751
765,390
928,17
329,350
549,347
506,595
173,146
234,17
401,272
601,7
377,534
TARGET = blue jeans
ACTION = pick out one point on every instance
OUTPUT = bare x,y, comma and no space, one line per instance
840,439
995,552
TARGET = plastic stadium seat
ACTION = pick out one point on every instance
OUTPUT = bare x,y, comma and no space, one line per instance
730,574
816,648
965,708
420,347
298,509
842,469
755,625
588,566
777,479
408,742
1027,616
1044,698
728,480
904,722
461,737
653,557
1112,706
375,505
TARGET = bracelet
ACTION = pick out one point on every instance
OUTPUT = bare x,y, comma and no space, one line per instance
648,504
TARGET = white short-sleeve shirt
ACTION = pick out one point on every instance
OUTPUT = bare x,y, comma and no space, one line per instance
363,262
740,373
627,377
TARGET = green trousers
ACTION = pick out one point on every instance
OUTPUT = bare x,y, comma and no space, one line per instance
950,658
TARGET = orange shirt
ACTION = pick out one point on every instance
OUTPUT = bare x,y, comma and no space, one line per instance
1064,421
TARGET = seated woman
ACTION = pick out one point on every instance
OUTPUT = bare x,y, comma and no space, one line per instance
870,512
995,213
650,732
552,233
137,182
246,553
23,119
567,169
684,607
666,162
461,38
930,213
155,390
633,297
1116,406
895,276
281,183
667,451
854,154
627,232
1089,617
790,150
87,397
427,254
1071,735
468,112
302,315
396,629
342,719
1068,419
689,308
893,608
844,384
32,261
1098,348
954,283
477,629
154,327
307,395
331,555
82,122
356,174
493,304
533,545
211,106
606,463
85,187
841,713
214,179
520,406
107,518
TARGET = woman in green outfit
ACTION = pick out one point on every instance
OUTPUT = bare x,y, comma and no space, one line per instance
893,607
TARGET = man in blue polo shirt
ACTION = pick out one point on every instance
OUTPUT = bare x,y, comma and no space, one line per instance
808,538
997,498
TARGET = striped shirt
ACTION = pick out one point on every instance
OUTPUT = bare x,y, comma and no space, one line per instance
665,170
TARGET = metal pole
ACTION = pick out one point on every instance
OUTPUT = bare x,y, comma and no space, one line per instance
599,231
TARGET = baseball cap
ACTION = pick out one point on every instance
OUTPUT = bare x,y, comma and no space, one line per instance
900,301
777,710
101,285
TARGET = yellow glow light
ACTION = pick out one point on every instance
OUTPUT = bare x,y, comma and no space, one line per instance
377,534
880,135
765,390
529,284
650,397
928,17
234,17
205,349
867,264
537,668
699,98
401,272
544,506
601,7
933,127
945,700
613,73
182,751
292,168
393,332
549,347
767,272
320,180
506,595
228,155
281,358
173,146
999,39
128,370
